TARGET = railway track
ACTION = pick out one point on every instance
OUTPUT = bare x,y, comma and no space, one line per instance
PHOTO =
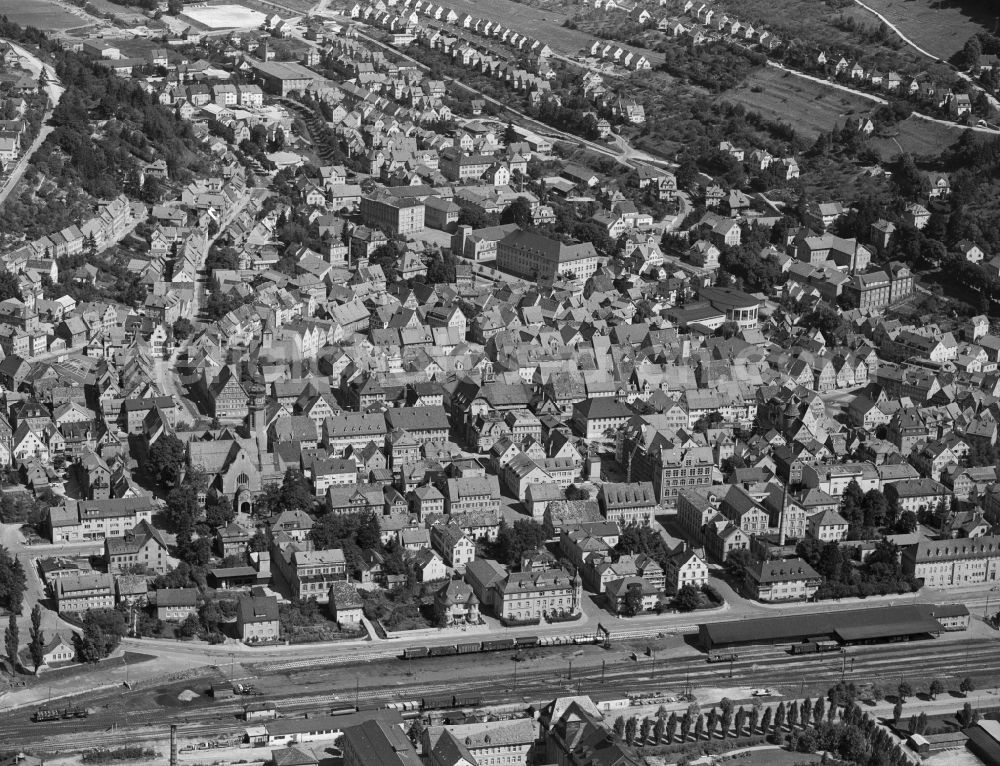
755,666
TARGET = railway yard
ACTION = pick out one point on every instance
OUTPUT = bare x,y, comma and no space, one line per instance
541,673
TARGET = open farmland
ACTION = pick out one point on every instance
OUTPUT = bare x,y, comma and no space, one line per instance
43,15
809,107
939,28
541,23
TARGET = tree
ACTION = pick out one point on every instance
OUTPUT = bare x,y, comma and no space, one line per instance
687,599
182,507
190,626
685,725
779,717
513,540
165,460
967,686
36,646
905,690
741,718
897,711
851,504
805,711
713,721
971,52
630,729
441,269
699,727
13,581
295,494
935,688
906,523
510,134
183,329
11,642
8,286
416,730
220,513
877,693
632,601
671,727
259,541
818,711
754,719
660,730
727,720
518,212
765,721
619,727
210,615
874,509
793,715
197,551
922,722
966,715
644,730
736,564
102,631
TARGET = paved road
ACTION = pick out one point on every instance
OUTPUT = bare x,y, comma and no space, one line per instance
54,90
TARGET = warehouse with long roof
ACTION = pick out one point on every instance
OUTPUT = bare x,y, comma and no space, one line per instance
853,626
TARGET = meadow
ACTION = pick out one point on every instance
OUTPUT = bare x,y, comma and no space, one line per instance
42,14
809,107
939,28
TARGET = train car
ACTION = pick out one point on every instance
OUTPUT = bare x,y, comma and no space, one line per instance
343,710
77,713
827,646
806,647
469,648
443,651
498,645
467,700
814,647
526,642
436,703
46,714
415,652
728,657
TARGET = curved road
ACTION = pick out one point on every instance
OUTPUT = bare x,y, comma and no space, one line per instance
965,76
55,91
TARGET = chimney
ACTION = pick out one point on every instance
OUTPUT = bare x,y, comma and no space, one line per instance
173,744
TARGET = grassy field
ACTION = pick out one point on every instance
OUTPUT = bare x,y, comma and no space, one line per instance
41,15
939,28
809,107
919,138
541,23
